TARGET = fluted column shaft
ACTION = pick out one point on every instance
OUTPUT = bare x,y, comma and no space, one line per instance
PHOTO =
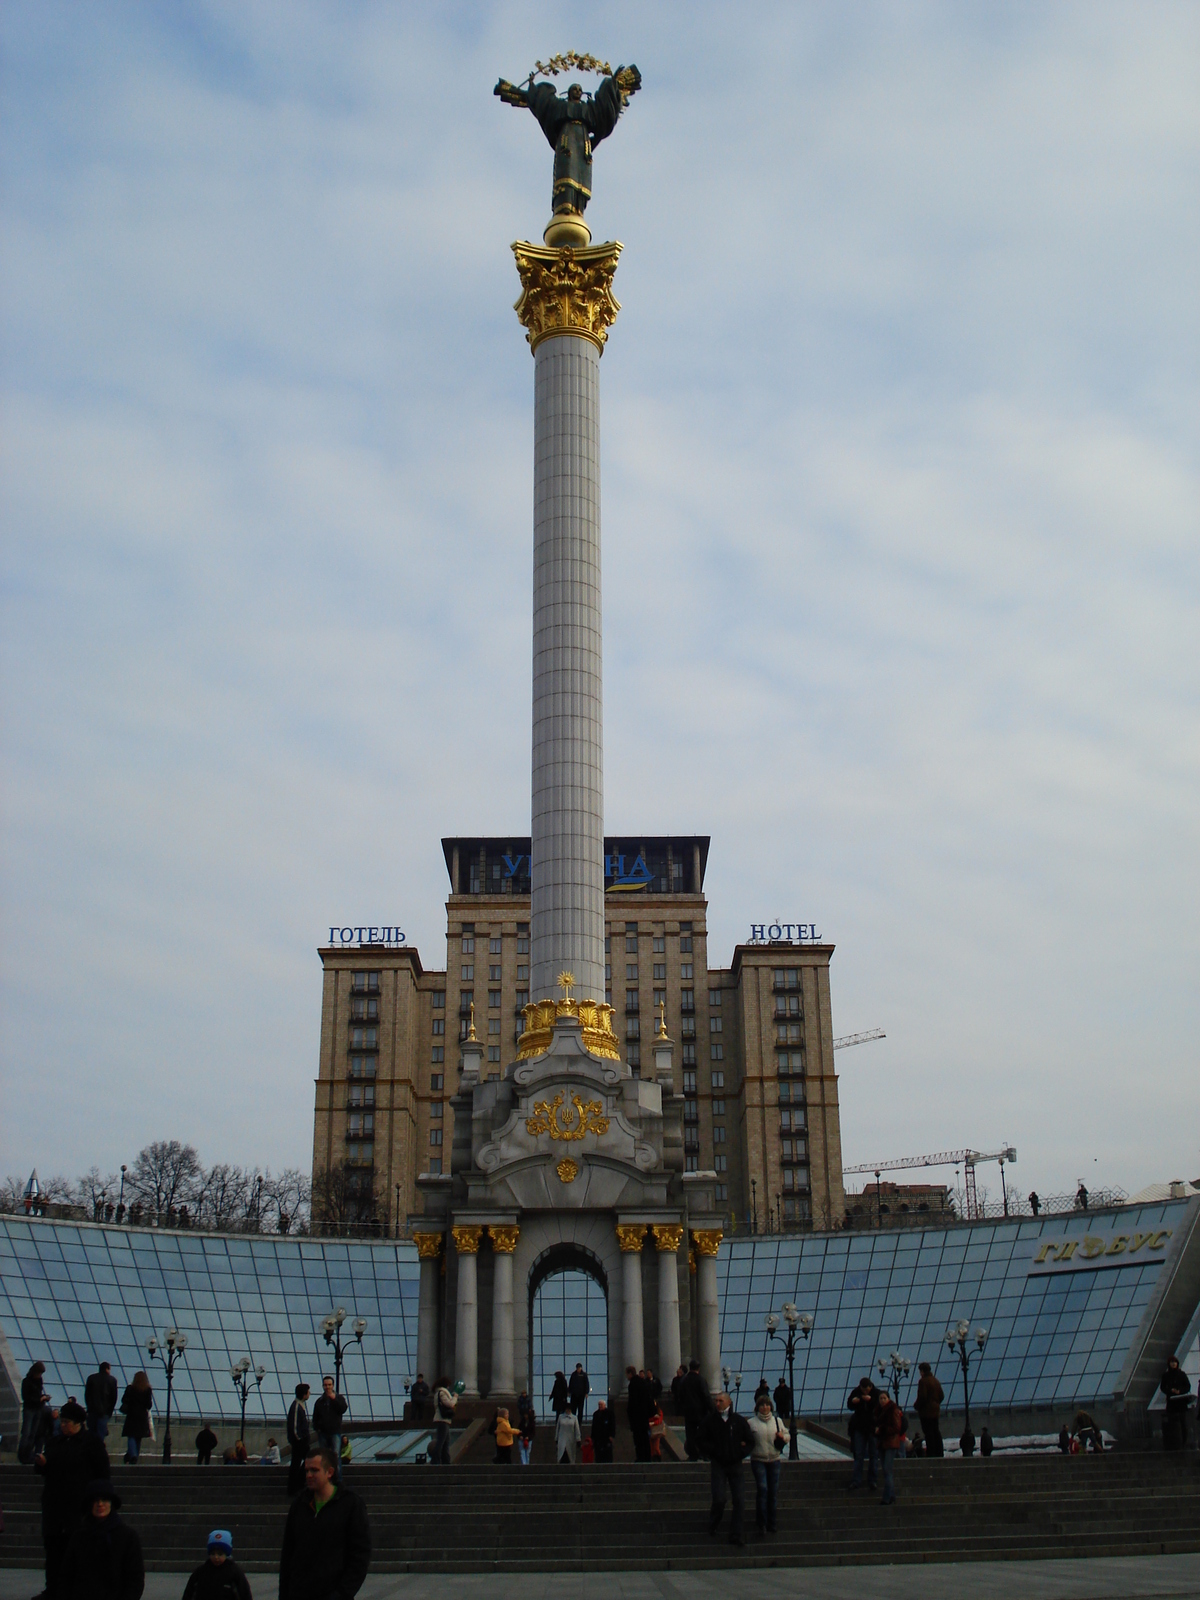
427,1307
630,1237
708,1308
466,1348
504,1240
667,1241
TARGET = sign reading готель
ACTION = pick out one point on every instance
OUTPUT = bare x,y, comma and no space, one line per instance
366,936
1092,1250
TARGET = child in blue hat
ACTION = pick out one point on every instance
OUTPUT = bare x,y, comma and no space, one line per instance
220,1577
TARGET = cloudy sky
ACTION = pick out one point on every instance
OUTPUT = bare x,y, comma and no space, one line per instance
900,519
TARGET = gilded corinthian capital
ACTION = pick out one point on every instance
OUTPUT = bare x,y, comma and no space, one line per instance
630,1236
429,1245
567,291
504,1238
466,1239
707,1240
667,1236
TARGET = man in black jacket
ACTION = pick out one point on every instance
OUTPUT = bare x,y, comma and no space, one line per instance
33,1397
783,1401
1177,1387
578,1389
104,1561
603,1429
71,1461
327,1420
696,1403
299,1436
327,1540
725,1438
638,1407
100,1398
863,1405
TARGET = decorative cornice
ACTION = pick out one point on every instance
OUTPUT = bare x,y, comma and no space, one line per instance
630,1236
707,1240
429,1245
567,291
466,1239
595,1022
504,1237
667,1235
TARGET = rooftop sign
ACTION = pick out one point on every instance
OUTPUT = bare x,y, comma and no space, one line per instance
784,933
1099,1250
366,936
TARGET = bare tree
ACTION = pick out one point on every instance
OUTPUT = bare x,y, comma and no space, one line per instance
96,1193
11,1191
166,1174
287,1197
221,1199
344,1200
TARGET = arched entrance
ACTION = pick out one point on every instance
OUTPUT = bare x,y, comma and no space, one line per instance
568,1319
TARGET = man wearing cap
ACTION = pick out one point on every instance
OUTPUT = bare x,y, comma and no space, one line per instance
327,1540
70,1460
220,1577
104,1561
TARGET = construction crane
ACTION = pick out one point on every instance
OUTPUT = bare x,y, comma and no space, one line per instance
968,1160
848,1039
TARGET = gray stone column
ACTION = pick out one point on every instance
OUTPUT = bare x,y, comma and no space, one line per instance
567,821
504,1242
466,1346
630,1236
429,1246
667,1240
707,1242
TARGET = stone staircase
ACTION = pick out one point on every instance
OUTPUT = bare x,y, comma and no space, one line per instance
629,1517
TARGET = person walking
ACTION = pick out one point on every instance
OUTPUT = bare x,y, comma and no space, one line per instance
100,1400
986,1442
327,1417
71,1460
928,1407
603,1430
638,1407
783,1401
890,1426
863,1403
104,1559
578,1389
526,1427
33,1397
299,1437
656,1428
567,1434
725,1439
327,1540
135,1407
559,1397
220,1577
1176,1386
697,1403
206,1443
444,1402
766,1431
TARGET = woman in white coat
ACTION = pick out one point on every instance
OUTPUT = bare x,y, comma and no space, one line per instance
566,1437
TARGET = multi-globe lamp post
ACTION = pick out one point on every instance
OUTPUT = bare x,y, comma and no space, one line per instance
892,1371
169,1352
332,1329
957,1339
798,1323
240,1373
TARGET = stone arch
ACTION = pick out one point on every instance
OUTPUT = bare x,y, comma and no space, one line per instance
565,1255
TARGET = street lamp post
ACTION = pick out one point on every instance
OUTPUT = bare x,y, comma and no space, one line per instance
175,1344
956,1338
898,1366
240,1373
797,1322
332,1329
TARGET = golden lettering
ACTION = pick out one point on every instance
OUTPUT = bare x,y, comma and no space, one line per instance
1157,1240
1067,1250
1045,1250
1138,1240
1092,1247
1117,1247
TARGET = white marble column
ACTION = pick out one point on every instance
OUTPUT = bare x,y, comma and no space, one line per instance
429,1247
567,821
466,1347
667,1240
706,1243
630,1237
504,1242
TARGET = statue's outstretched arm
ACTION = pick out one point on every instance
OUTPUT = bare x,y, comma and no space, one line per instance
610,100
510,94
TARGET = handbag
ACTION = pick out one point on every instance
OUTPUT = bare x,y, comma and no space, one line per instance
150,1434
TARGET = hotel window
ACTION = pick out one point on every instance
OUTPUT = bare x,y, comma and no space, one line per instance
714,998
439,999
660,998
522,998
493,1052
660,972
494,974
608,972
791,1061
633,1028
634,1055
436,1080
685,971
439,1024
365,983
722,1191
631,938
660,947
691,1163
468,972
494,947
718,1107
364,1008
689,1055
631,1001
364,1038
631,972
720,1163
494,999
716,1024
436,1107
468,935
435,1166
787,1032
689,1083
691,1111
687,1000
522,938
466,998
607,943
718,1135
435,1136
787,1005
687,1028
360,1154
685,936
787,978
439,1054
716,1052
362,1066
362,1094
493,1024
718,1081
523,973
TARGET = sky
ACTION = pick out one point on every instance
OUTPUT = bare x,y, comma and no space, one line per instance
900,538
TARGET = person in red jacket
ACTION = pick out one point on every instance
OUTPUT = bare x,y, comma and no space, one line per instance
890,1428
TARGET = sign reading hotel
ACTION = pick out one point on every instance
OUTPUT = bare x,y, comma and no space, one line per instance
1099,1250
784,933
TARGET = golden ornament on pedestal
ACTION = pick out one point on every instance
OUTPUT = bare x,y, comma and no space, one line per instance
567,291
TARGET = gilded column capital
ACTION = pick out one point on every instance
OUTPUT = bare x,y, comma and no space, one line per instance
504,1237
466,1239
429,1245
567,291
667,1236
707,1240
630,1236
